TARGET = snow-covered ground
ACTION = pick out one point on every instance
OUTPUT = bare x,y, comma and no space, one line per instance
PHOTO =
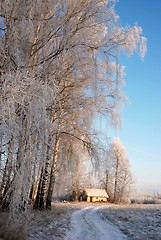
138,222
51,225
68,221
87,224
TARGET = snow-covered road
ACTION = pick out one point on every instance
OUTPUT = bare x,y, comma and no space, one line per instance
88,225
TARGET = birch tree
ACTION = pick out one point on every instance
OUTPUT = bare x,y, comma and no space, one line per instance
106,173
59,60
122,176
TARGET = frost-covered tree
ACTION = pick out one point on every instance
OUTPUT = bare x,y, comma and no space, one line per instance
105,177
59,65
121,176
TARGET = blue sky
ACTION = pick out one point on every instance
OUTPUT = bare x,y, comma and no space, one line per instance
141,117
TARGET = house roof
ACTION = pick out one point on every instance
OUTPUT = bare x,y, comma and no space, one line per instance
96,192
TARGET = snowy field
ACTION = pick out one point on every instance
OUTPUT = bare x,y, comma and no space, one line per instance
137,222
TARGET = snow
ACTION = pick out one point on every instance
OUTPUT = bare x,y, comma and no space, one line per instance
97,221
88,224
137,221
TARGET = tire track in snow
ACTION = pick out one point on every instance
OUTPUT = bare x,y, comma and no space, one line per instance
88,225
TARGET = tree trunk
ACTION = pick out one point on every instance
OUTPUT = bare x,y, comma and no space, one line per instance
106,180
116,179
6,180
44,181
42,186
17,192
38,201
53,169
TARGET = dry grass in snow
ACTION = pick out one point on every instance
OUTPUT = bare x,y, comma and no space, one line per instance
11,232
42,225
138,222
51,225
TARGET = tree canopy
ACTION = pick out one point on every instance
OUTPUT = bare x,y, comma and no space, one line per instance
59,68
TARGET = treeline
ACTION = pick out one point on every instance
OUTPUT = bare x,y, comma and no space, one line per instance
116,176
59,69
111,172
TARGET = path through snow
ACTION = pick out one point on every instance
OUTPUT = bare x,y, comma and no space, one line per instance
88,225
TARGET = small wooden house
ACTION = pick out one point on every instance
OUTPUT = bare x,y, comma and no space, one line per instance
96,195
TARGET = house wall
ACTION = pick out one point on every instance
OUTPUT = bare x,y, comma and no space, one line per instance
97,199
